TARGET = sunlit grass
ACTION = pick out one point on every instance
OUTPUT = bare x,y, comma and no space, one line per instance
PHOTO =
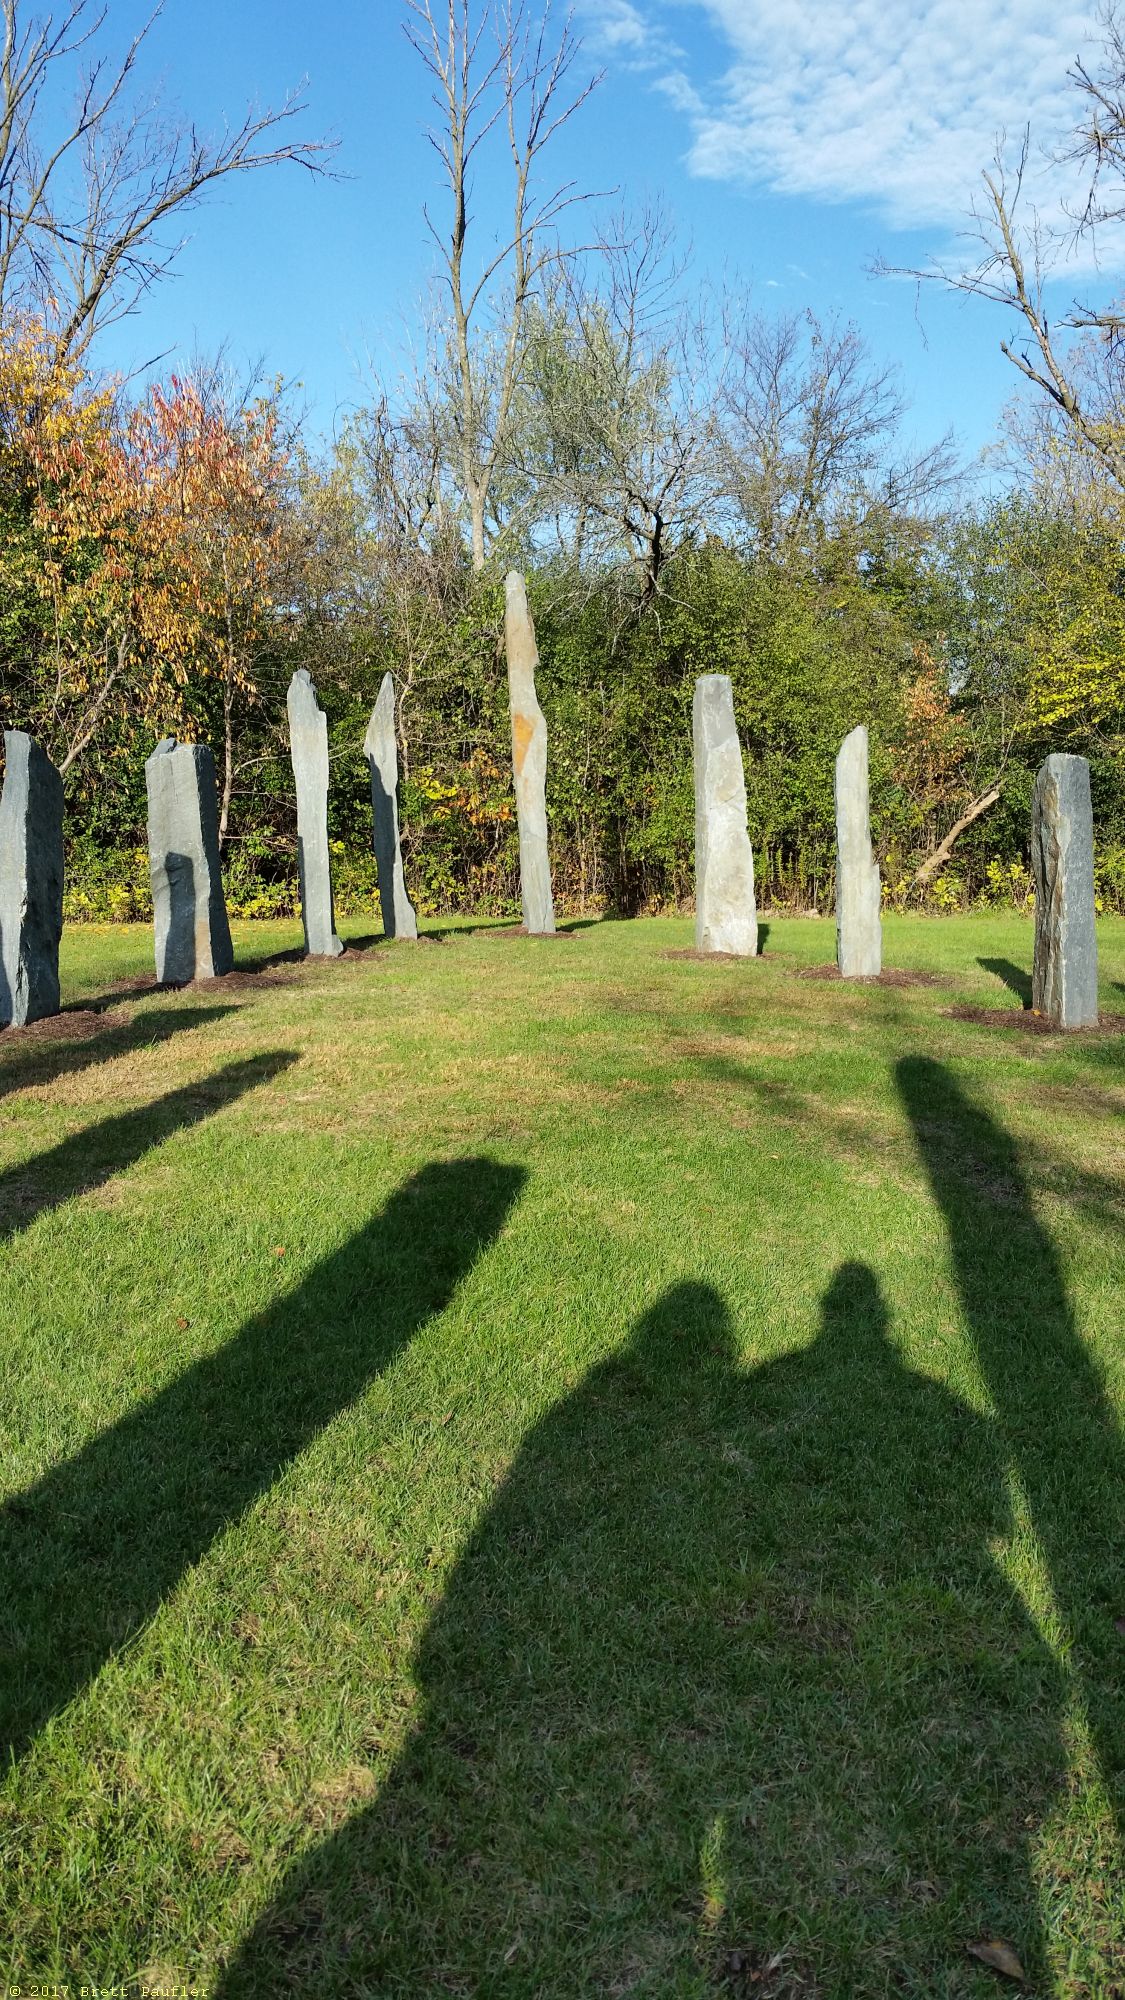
551,1469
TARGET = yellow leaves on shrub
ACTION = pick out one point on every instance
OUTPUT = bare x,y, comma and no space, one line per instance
154,534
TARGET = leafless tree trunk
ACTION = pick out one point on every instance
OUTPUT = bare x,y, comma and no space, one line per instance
513,79
944,848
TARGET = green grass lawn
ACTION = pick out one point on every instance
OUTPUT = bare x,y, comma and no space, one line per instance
558,1469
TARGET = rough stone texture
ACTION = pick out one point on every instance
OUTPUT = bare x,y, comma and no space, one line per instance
1064,980
308,740
726,916
859,923
31,882
381,752
529,758
191,932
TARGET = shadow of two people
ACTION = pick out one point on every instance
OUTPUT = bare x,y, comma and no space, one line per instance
728,1664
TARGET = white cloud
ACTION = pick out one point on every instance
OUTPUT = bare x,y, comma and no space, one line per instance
628,30
896,103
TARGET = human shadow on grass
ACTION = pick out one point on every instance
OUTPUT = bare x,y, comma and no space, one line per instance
1014,977
727,1671
91,1157
35,1062
1053,1414
89,1552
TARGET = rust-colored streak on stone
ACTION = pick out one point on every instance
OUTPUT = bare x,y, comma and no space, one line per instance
523,729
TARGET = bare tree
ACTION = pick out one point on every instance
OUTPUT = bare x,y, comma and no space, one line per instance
494,72
1020,252
806,428
618,429
84,200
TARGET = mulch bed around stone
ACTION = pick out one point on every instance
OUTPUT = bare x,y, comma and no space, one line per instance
283,970
720,957
1030,1022
78,1024
891,975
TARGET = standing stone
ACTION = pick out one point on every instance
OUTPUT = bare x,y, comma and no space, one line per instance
31,882
189,912
308,740
529,758
859,923
1064,980
381,752
726,916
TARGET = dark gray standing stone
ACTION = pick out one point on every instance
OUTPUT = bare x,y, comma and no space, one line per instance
726,915
191,932
308,740
859,922
529,758
381,752
31,882
1064,980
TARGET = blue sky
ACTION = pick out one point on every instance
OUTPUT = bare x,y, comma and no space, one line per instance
791,145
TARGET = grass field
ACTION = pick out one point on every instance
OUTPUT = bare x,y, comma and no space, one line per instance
546,1469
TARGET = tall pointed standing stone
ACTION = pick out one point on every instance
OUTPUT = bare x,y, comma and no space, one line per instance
1064,980
529,758
381,752
726,915
31,882
308,741
190,928
859,923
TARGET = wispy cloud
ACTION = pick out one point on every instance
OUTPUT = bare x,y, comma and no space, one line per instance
895,103
628,30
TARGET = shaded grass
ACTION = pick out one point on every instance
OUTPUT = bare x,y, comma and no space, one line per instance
678,1553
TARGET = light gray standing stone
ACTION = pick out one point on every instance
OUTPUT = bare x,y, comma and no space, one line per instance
381,752
726,915
31,882
859,921
308,742
529,758
191,932
1064,980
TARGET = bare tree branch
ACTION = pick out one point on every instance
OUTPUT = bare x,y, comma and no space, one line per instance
80,221
515,81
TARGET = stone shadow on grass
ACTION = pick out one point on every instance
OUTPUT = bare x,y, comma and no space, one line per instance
726,1671
88,1554
44,1059
1014,977
91,1157
1053,1414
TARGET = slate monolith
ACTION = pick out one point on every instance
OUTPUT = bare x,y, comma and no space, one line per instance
189,912
859,923
529,758
381,752
308,741
726,916
1064,980
31,882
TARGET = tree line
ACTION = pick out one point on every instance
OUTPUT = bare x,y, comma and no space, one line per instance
692,484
